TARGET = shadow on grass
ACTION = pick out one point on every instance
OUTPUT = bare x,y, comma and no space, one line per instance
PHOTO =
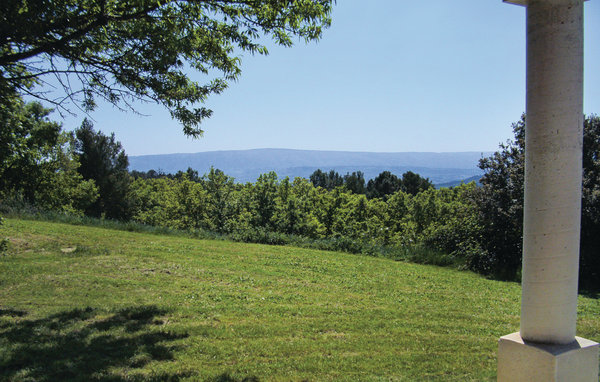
590,293
12,312
86,345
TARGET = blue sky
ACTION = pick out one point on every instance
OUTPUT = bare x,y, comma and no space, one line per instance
388,76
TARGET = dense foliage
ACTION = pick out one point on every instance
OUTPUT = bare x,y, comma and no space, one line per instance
500,207
590,214
384,185
38,165
120,51
297,207
103,160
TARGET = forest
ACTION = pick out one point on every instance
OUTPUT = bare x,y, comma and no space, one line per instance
45,171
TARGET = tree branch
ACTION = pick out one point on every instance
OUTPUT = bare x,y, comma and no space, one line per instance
52,46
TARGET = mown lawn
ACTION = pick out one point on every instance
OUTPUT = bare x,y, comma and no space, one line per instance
93,304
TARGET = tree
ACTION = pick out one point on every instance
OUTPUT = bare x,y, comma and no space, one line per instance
304,197
286,215
103,160
355,182
219,188
500,201
152,174
37,161
60,186
589,267
189,174
328,181
26,138
383,185
121,50
318,178
412,183
263,197
330,214
500,206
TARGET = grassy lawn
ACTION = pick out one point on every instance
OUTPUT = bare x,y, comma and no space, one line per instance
81,303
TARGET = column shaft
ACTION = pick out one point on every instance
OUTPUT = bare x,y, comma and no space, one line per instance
553,170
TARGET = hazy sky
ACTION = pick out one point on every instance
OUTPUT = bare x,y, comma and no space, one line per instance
388,76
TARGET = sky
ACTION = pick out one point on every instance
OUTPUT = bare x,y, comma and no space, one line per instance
387,76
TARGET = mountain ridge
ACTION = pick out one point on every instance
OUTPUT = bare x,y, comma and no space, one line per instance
247,165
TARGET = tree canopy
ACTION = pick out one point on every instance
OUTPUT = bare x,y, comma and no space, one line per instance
328,181
38,165
500,206
104,161
27,137
122,51
412,183
386,184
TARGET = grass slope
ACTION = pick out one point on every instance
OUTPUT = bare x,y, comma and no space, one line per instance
130,306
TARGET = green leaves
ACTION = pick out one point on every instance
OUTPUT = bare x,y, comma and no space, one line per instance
104,162
123,50
37,161
500,207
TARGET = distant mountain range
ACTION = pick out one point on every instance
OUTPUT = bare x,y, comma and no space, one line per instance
246,165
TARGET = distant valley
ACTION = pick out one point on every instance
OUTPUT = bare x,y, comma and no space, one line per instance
443,169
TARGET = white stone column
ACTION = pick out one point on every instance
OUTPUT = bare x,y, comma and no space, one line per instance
553,170
546,348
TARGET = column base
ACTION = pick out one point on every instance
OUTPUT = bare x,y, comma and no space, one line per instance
524,361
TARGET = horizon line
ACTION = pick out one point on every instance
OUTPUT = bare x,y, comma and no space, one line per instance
334,151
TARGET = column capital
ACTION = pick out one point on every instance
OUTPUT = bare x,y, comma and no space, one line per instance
520,2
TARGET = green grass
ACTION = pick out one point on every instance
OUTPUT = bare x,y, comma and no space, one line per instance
90,303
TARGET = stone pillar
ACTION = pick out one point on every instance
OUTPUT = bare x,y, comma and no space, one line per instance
553,170
546,348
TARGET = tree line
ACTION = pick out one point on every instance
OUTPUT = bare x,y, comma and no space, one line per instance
477,227
382,186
